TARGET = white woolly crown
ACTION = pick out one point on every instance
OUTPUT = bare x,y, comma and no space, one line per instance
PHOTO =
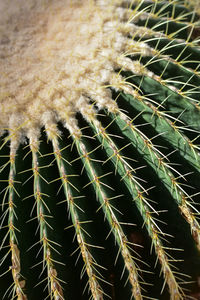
57,56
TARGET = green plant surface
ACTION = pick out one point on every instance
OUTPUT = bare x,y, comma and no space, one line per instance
99,150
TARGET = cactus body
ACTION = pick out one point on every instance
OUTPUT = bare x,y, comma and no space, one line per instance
100,156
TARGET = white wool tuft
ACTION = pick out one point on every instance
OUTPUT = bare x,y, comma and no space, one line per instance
53,54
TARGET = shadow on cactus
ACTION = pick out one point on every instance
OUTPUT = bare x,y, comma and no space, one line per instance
100,156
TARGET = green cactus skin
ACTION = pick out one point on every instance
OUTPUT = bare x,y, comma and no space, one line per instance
100,155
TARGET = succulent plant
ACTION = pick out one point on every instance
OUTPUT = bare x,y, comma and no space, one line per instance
99,149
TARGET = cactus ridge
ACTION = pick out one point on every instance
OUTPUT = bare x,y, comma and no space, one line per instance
100,156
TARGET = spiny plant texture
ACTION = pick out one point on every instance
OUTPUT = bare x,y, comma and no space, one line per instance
100,156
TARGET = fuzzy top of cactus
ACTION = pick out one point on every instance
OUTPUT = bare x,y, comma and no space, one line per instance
50,57
57,55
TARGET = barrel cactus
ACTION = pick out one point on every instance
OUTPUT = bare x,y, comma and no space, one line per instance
99,149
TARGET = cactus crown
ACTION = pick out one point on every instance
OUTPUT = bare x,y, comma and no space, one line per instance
99,104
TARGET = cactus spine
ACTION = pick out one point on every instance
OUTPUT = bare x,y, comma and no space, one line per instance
100,156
